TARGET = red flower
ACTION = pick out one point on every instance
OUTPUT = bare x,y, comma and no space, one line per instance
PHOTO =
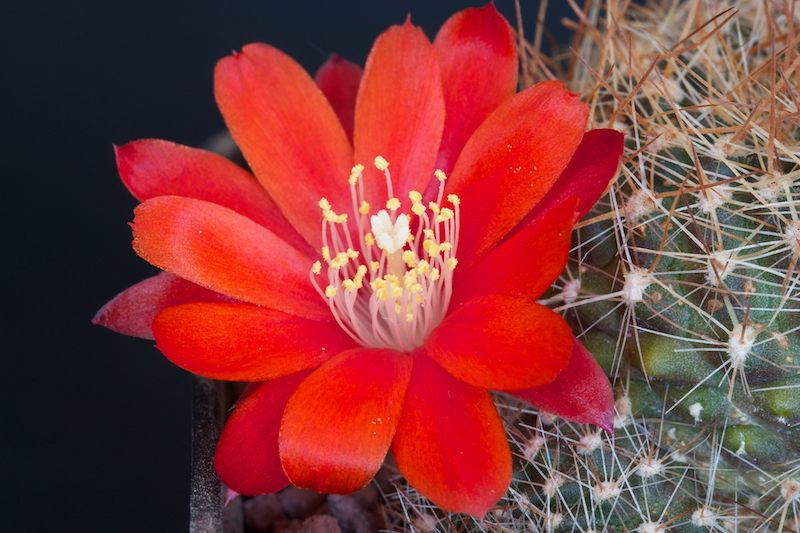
389,346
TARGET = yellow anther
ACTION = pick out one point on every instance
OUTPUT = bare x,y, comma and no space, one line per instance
433,206
352,254
452,262
434,274
428,233
397,292
349,285
382,293
324,204
316,268
431,247
418,209
381,163
330,291
454,199
340,260
409,316
374,266
440,175
364,209
355,173
419,299
410,238
415,288
326,254
393,204
391,279
445,214
445,246
360,273
409,278
415,197
369,239
423,267
408,258
333,218
397,308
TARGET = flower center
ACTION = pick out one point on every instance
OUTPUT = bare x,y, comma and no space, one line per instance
392,288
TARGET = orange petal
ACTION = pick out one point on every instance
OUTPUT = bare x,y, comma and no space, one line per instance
478,59
511,161
151,167
247,458
525,265
132,311
288,133
227,253
244,342
450,444
399,113
581,393
340,421
338,79
497,342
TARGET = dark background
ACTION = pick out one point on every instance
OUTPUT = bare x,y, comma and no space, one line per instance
95,432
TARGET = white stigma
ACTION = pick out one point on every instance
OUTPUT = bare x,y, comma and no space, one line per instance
390,237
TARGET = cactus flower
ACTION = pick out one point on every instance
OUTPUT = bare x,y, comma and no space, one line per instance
378,272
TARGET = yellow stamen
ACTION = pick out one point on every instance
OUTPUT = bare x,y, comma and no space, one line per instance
452,262
393,204
440,175
364,209
330,291
316,268
381,163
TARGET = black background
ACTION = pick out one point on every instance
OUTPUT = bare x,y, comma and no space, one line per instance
95,429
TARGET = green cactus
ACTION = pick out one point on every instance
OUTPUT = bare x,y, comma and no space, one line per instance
684,283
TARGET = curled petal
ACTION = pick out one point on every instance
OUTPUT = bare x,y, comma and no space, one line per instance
244,342
399,113
581,393
497,342
478,60
340,421
151,168
132,311
450,444
595,163
287,131
511,161
525,265
247,458
225,252
338,79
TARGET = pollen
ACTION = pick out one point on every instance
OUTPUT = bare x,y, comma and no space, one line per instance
317,268
393,204
330,291
440,175
380,163
415,197
418,209
355,174
364,209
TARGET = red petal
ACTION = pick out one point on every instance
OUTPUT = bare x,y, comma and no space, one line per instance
340,421
247,457
500,343
288,133
338,79
581,393
226,252
511,161
595,163
450,444
132,311
399,113
478,59
243,342
524,265
152,168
